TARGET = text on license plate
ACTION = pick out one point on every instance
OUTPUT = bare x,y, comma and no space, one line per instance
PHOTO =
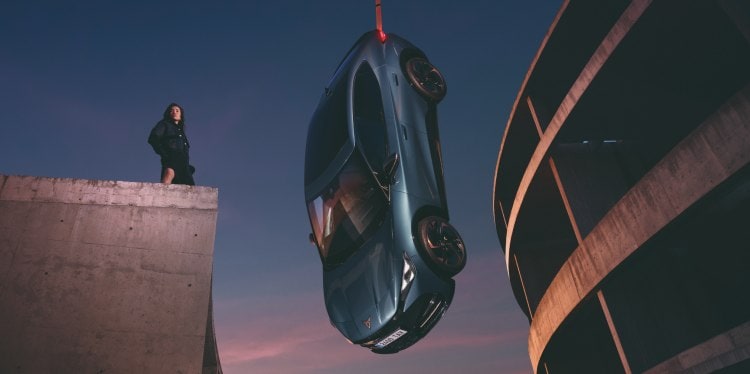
390,338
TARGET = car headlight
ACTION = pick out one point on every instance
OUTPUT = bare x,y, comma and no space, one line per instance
407,277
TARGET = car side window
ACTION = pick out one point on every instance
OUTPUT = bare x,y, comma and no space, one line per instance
369,119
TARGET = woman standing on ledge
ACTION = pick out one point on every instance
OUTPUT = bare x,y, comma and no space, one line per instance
170,142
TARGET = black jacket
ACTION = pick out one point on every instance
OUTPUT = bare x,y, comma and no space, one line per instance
170,143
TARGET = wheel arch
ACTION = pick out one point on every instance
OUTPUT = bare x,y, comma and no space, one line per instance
423,212
407,54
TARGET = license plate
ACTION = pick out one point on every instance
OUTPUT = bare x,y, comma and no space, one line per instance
390,338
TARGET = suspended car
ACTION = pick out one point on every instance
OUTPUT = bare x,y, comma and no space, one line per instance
376,197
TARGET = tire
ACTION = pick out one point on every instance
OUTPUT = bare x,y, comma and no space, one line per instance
425,78
442,246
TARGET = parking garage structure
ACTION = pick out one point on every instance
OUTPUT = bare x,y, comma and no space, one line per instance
622,189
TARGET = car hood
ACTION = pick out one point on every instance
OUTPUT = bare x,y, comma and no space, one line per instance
361,295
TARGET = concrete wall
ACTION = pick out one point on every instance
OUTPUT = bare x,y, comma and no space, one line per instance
104,276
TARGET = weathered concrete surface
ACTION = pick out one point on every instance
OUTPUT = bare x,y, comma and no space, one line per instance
104,277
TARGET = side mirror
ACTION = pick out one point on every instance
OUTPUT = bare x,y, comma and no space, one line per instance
311,238
389,168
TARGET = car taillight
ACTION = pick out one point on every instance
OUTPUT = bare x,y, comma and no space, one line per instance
382,36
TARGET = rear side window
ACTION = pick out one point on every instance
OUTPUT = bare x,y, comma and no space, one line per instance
369,119
327,132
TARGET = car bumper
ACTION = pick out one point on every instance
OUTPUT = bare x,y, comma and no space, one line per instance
408,327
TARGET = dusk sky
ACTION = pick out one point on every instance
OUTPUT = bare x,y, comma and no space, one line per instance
83,82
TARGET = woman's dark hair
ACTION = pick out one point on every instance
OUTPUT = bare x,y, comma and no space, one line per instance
168,117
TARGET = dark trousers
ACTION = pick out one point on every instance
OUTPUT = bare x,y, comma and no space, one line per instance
183,174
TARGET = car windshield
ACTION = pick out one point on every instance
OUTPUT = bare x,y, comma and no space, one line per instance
347,213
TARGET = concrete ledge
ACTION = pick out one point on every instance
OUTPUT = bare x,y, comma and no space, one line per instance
104,277
97,192
703,160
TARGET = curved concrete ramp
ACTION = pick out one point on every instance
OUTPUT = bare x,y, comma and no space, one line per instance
106,277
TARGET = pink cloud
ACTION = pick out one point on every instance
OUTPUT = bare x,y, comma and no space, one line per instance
290,333
266,344
458,339
285,326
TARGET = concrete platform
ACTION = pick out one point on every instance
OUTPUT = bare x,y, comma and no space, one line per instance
106,277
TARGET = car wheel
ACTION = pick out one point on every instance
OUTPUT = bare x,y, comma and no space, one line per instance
444,249
426,78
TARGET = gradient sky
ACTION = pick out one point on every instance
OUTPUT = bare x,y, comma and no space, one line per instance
83,82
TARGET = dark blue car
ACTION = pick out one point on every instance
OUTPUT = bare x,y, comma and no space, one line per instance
376,197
